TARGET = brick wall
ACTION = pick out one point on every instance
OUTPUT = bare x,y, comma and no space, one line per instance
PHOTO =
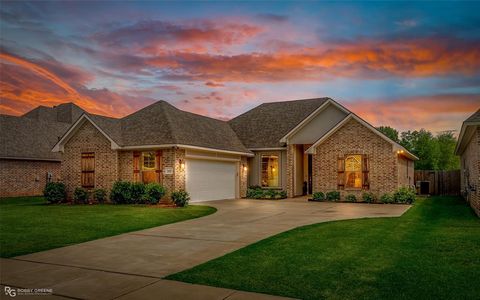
89,139
470,161
354,138
25,177
290,170
243,177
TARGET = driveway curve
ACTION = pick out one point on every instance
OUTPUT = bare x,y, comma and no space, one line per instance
137,259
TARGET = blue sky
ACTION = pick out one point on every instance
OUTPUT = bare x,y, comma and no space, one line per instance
409,65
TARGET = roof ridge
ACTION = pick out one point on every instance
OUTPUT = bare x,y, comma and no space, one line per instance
171,128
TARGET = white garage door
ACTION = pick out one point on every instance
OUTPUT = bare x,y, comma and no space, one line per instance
210,180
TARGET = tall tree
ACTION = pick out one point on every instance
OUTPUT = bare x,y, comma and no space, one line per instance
390,132
447,160
424,146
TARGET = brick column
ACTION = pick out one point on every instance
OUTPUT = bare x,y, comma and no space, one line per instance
290,169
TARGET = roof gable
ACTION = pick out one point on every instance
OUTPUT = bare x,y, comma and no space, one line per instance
397,147
466,132
316,124
265,125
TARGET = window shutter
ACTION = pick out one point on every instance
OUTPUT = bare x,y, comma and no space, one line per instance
158,165
365,171
136,166
88,170
341,173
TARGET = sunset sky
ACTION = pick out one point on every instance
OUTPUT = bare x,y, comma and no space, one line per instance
407,65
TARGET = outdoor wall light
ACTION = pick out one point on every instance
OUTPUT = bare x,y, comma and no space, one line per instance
182,164
245,168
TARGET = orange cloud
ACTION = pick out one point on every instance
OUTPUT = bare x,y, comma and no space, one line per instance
433,112
26,85
363,59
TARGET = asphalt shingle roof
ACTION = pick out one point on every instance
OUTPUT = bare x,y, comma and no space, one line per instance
162,123
475,117
29,138
266,124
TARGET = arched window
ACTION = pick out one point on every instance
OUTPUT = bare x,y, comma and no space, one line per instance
353,172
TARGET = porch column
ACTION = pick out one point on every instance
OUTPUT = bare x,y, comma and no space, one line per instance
290,170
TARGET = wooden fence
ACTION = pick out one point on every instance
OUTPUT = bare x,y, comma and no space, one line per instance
437,182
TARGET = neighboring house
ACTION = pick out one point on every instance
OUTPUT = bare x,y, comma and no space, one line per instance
301,146
26,158
468,148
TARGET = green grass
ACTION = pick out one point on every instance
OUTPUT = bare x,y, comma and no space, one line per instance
28,224
431,252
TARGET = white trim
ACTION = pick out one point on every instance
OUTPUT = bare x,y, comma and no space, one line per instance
397,147
269,149
201,157
465,125
31,158
83,118
163,146
311,116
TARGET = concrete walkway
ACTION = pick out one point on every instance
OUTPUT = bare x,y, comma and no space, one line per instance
131,265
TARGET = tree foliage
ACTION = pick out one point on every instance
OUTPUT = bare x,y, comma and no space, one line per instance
390,132
434,152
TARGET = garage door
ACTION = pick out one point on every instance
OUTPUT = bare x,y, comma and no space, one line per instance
210,180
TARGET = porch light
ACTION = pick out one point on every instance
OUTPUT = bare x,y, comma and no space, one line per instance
182,164
245,168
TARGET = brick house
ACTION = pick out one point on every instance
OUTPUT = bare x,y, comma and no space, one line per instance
26,159
300,146
468,148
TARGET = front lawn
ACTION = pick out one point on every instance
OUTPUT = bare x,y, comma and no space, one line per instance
28,224
431,252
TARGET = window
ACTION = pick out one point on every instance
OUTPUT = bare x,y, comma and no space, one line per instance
353,172
270,171
148,159
88,170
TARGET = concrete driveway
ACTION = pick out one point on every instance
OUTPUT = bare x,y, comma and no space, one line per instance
131,265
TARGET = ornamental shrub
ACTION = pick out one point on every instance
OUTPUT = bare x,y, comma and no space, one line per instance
100,195
180,198
121,192
333,196
368,197
387,198
55,192
319,196
153,192
404,195
351,198
80,195
137,191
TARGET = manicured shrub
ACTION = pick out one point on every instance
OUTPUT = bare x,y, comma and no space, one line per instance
319,196
55,192
256,192
368,197
100,195
137,191
281,194
351,198
387,198
153,193
333,196
404,195
80,195
269,194
180,198
121,192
